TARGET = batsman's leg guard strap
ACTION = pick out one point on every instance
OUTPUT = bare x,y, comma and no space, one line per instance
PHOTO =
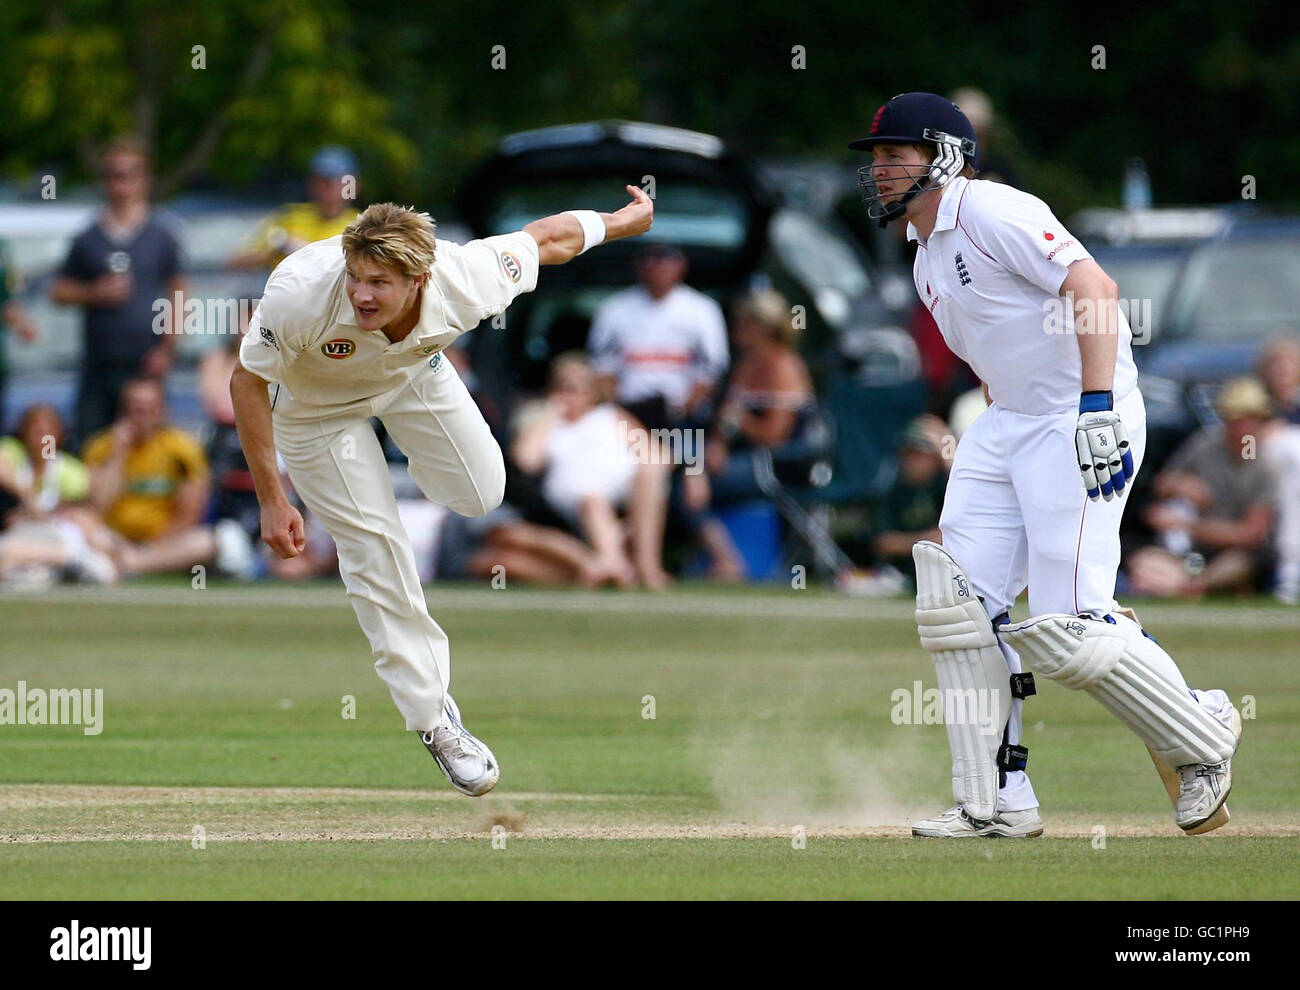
1012,757
1022,685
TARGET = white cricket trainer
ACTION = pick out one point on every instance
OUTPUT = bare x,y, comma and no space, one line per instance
463,759
1204,787
956,824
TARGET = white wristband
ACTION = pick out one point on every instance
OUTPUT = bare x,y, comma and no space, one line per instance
593,228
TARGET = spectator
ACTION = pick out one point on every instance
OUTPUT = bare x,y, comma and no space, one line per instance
1280,452
12,314
584,450
910,510
476,546
233,496
116,270
768,405
331,183
48,531
1279,369
990,133
1214,507
659,348
768,402
150,481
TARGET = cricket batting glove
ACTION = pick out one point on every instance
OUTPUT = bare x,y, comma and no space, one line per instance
1105,460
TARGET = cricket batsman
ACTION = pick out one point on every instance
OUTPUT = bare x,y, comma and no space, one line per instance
1022,301
352,327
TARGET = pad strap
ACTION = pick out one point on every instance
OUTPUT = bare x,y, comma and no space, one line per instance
1022,685
1012,757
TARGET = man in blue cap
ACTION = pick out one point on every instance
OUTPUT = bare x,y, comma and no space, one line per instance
332,184
1019,299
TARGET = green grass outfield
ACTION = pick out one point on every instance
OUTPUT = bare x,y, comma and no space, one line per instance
772,767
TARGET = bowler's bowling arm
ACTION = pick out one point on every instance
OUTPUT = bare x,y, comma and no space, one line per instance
253,421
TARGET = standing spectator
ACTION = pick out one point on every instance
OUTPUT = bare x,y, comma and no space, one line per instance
1280,452
150,481
660,347
116,270
1215,506
12,314
331,184
1279,369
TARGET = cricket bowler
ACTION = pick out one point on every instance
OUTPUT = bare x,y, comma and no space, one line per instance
353,327
1024,304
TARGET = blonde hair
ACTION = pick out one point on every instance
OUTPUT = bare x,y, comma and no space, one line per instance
770,310
576,360
396,237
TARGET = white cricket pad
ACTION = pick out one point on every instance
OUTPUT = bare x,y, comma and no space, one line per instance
1133,678
974,680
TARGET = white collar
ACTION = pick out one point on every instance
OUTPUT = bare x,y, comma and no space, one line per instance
946,217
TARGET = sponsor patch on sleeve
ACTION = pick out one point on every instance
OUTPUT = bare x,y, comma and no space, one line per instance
511,264
268,338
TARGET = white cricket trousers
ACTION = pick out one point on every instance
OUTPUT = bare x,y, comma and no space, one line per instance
337,467
1015,514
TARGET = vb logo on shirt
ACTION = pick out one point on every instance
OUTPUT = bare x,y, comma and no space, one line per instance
338,349
511,264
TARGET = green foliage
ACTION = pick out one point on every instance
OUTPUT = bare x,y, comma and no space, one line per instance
1204,93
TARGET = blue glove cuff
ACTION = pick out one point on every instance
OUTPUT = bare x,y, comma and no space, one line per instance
1096,402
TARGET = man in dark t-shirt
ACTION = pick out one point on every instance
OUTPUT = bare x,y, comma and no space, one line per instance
119,270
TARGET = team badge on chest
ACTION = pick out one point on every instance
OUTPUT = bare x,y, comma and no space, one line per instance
962,274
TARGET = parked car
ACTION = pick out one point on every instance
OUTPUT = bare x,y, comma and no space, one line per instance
713,203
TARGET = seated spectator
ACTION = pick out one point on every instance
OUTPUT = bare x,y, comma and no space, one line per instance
1279,370
476,546
584,450
233,495
909,512
150,481
768,403
47,532
1213,510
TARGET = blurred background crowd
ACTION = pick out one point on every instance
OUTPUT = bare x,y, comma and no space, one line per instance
752,393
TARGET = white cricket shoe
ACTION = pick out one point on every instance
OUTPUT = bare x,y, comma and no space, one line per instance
1204,787
462,758
956,824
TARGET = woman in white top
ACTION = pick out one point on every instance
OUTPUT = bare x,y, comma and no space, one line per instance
595,460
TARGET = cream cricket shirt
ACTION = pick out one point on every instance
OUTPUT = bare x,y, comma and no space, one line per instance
990,274
304,335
